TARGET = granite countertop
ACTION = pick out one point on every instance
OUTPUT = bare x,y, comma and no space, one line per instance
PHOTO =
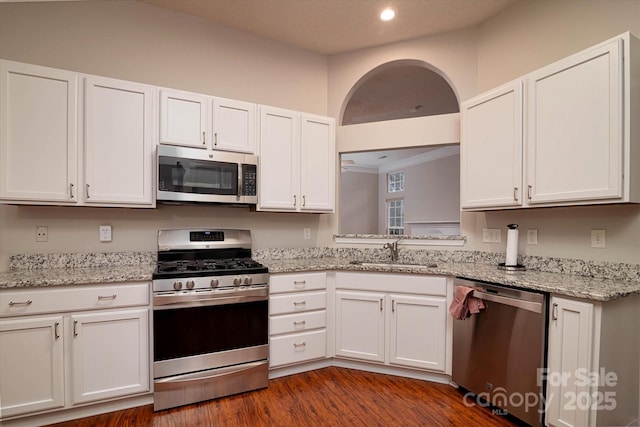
556,283
76,276
74,270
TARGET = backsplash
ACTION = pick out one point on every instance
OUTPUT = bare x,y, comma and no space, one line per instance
80,260
579,267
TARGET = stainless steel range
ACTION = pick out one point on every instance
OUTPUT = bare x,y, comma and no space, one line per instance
210,317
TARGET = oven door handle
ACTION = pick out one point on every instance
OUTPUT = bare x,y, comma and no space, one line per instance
179,381
165,302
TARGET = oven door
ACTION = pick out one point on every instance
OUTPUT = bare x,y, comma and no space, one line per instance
205,330
192,175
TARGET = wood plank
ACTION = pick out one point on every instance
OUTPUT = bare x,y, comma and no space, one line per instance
325,397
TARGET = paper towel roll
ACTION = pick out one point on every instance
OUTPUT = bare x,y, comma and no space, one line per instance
512,245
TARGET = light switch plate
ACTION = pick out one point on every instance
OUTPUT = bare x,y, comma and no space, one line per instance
491,235
598,239
532,236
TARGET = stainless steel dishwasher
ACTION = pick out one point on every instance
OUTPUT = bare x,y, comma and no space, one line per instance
498,353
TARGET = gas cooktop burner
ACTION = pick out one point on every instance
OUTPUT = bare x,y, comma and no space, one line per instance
207,265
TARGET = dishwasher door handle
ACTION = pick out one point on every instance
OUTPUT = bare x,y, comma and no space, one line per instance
536,307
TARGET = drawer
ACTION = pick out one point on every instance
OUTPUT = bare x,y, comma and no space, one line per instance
72,298
295,348
302,301
297,282
297,322
392,282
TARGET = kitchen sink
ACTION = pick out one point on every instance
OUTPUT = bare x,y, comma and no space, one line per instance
393,264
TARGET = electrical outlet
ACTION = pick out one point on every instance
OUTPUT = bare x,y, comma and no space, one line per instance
532,236
491,235
597,239
307,233
105,233
42,234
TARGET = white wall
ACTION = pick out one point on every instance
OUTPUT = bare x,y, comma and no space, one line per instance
523,37
358,203
134,41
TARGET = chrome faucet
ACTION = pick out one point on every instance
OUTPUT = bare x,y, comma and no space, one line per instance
393,249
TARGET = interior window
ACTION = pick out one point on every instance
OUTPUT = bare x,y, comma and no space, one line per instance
395,182
395,216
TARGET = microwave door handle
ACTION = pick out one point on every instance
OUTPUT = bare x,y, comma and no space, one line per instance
240,183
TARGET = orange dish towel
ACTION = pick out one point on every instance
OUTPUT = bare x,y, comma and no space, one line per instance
464,304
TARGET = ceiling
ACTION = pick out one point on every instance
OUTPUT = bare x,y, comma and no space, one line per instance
338,26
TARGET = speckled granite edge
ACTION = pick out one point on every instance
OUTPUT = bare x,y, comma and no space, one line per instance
577,267
80,260
401,236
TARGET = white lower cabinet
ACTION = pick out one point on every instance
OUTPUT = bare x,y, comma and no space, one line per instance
101,369
297,318
55,356
593,370
360,321
31,364
418,331
395,319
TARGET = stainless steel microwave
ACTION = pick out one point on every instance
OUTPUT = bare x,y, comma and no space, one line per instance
195,175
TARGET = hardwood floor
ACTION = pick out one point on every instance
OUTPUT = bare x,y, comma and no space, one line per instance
325,397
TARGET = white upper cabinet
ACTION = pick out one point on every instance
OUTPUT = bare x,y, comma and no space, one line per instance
38,133
579,142
183,118
207,122
317,163
574,135
279,159
50,119
297,161
234,125
491,161
118,142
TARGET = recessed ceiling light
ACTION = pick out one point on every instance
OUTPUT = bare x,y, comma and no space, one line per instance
388,14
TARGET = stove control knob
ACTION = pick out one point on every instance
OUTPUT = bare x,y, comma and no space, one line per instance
237,281
177,285
214,283
248,280
190,284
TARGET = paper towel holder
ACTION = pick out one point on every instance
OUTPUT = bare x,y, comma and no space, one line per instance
512,250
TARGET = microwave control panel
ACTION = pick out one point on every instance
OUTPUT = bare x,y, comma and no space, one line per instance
249,173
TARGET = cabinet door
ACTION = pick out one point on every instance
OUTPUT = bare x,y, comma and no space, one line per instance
118,142
574,137
110,354
570,349
31,365
491,149
38,128
279,160
360,325
317,164
183,118
234,125
418,332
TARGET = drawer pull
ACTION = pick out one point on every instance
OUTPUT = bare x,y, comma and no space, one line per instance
301,323
298,345
103,297
299,284
55,330
12,303
75,328
299,303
